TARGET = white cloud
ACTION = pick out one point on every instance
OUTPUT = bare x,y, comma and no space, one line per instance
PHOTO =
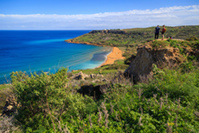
176,15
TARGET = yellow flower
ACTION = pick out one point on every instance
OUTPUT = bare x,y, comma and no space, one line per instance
85,124
170,124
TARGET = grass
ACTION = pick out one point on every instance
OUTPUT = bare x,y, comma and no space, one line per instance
5,91
4,86
137,36
106,69
159,44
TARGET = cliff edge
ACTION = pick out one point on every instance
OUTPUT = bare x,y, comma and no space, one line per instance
142,65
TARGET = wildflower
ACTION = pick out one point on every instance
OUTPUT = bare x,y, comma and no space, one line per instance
140,121
154,96
176,121
178,103
161,102
169,127
100,117
111,108
141,110
116,117
167,98
170,124
91,124
105,113
140,93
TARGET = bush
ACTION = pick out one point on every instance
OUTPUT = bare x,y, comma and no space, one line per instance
40,96
186,67
169,102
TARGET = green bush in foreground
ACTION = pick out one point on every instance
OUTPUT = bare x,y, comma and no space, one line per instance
40,97
167,103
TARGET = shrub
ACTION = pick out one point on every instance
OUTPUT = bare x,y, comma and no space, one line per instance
186,67
40,96
169,101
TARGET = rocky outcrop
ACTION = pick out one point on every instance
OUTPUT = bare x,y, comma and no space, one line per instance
80,76
93,76
146,56
10,106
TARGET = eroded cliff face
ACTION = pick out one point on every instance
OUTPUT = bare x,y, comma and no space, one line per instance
141,66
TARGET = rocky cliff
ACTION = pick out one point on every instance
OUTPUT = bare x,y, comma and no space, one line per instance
141,66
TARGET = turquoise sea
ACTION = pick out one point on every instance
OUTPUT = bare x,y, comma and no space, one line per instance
37,51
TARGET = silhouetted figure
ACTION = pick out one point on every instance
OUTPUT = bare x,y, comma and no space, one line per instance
157,30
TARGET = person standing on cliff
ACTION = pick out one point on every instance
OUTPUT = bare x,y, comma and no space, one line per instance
163,31
157,30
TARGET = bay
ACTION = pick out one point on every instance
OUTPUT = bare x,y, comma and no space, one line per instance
36,51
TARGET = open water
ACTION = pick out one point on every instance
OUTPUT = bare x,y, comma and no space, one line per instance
36,51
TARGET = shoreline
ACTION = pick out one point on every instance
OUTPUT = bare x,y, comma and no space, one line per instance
115,54
110,58
87,43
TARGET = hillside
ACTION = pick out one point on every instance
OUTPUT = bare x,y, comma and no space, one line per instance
130,37
154,90
128,40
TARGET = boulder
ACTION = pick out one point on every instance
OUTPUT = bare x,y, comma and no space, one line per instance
100,75
80,76
92,76
96,81
104,80
96,76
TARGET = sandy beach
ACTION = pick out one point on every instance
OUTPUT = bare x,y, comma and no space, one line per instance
116,54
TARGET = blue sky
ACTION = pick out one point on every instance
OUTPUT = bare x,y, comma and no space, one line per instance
95,14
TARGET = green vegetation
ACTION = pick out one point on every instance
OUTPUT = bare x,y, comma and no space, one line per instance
130,39
4,92
159,44
186,48
167,102
106,69
4,86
